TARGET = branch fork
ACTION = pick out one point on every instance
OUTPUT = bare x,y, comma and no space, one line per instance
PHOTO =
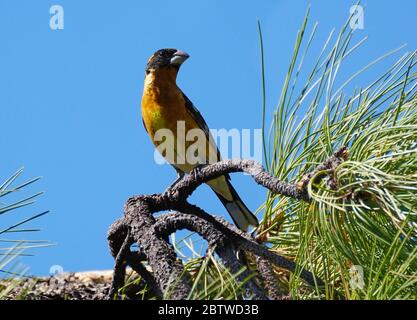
138,225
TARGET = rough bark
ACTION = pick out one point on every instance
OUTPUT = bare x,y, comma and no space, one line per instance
151,233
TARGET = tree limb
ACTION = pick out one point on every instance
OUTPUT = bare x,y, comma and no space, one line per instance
151,234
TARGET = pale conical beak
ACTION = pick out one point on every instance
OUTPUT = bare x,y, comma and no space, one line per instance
179,58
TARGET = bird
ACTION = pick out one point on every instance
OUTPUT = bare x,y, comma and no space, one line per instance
164,106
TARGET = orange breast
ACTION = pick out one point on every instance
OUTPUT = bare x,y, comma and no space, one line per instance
162,104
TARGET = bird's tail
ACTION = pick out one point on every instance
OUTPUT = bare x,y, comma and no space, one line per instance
241,215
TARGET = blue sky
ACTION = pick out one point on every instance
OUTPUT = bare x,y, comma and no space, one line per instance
70,99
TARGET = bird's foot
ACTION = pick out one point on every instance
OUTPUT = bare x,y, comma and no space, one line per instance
180,175
196,171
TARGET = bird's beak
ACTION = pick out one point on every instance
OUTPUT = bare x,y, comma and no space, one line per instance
179,58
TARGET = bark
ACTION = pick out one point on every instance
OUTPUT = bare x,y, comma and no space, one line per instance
168,278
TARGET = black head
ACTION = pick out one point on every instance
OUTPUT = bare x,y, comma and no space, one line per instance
166,58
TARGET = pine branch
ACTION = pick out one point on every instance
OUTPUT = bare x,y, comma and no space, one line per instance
151,234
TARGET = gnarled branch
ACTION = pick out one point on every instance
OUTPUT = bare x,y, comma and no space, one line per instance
151,233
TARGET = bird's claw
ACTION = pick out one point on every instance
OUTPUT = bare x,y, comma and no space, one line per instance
197,171
180,175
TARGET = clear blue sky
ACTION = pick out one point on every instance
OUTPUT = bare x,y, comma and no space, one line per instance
70,99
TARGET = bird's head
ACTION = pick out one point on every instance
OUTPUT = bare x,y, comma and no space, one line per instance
168,59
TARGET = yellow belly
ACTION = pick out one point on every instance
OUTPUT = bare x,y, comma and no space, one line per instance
163,106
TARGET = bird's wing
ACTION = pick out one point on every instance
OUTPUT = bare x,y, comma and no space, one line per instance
198,118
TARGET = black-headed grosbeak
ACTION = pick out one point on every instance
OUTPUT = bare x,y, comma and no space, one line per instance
164,106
